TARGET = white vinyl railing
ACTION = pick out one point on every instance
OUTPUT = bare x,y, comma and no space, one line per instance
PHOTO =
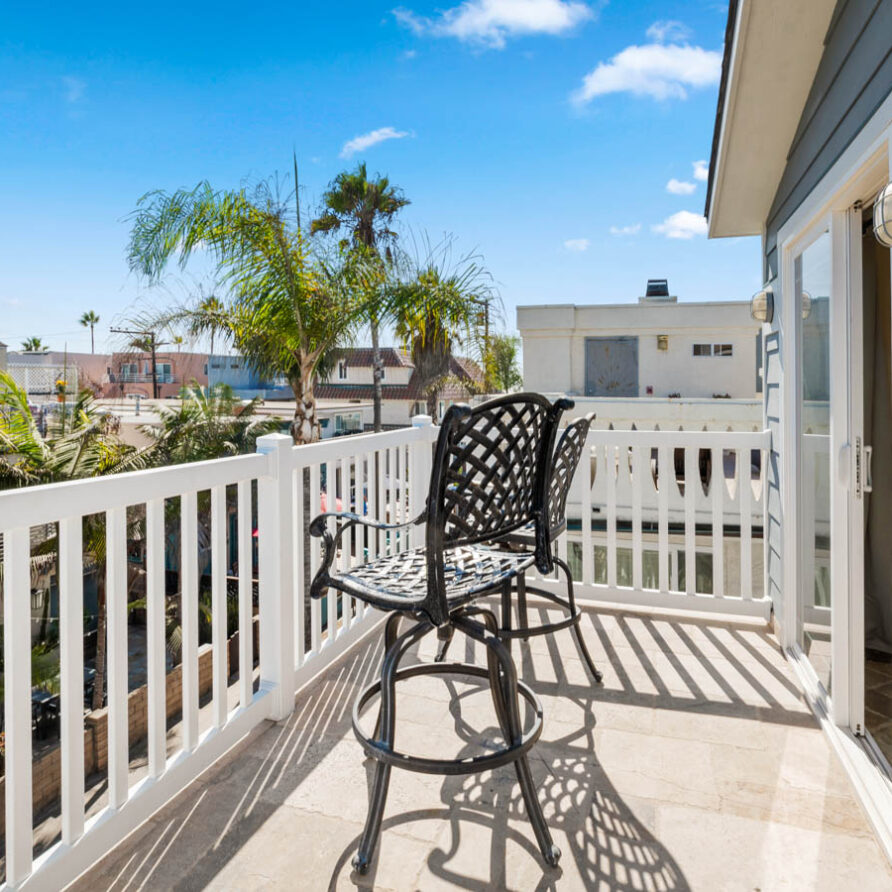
636,488
381,474
648,504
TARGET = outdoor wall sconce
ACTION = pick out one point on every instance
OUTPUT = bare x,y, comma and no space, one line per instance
806,305
762,305
662,342
882,216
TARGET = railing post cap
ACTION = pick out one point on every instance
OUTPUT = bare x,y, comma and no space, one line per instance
422,421
273,442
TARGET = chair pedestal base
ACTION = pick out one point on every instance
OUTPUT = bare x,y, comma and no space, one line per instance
481,625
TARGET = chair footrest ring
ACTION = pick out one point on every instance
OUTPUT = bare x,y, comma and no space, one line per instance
425,765
545,628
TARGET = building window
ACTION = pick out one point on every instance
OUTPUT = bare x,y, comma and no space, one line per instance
702,349
342,370
722,349
382,372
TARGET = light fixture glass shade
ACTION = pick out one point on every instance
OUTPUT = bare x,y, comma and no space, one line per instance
882,217
806,304
762,305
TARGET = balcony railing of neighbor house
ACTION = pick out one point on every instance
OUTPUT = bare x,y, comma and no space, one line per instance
210,516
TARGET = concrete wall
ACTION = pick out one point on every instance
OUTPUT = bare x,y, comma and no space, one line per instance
554,346
2,357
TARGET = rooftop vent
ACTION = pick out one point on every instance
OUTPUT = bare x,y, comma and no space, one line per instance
657,292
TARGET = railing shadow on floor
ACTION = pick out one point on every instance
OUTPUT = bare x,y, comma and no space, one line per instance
602,836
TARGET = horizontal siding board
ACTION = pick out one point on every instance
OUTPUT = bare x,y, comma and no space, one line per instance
843,37
853,79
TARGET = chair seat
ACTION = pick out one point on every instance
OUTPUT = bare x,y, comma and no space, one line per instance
398,580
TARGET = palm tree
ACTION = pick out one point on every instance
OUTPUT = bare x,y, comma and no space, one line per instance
34,345
501,362
210,306
178,341
287,309
366,208
90,320
208,425
436,306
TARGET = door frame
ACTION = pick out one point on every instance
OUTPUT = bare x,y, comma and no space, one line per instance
830,207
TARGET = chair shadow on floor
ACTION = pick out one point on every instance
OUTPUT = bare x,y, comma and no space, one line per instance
605,845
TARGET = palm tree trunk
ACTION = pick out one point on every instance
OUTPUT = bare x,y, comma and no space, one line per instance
376,377
92,339
305,424
432,395
99,681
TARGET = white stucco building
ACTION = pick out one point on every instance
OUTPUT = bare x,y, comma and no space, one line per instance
657,347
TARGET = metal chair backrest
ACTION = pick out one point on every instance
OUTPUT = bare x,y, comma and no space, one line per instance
490,477
566,459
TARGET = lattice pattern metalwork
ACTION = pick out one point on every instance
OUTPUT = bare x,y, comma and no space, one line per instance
491,470
566,460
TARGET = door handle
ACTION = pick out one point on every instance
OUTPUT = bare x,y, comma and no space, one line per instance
868,469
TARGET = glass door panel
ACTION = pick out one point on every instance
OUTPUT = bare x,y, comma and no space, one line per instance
812,269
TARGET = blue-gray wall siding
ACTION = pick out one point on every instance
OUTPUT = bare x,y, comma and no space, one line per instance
852,80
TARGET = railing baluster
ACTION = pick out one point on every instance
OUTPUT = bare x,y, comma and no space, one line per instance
744,502
665,481
610,470
637,482
300,593
358,607
584,481
17,705
315,605
116,654
347,550
189,616
246,592
218,607
331,504
156,667
71,647
717,482
691,482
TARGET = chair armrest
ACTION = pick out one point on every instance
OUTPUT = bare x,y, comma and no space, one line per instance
330,543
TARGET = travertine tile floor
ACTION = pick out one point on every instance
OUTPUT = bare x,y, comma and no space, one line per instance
697,765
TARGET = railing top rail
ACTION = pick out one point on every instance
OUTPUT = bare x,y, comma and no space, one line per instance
682,439
34,505
337,448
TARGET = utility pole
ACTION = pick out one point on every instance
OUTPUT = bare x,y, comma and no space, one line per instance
153,346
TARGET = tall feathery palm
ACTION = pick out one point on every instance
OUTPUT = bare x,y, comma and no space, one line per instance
287,309
90,320
366,209
210,306
34,345
436,307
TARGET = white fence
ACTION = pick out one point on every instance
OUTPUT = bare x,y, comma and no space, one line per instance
388,472
280,487
700,489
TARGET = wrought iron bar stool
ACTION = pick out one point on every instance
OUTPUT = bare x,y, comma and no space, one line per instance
565,461
491,469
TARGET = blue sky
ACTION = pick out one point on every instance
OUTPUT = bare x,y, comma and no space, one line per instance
543,133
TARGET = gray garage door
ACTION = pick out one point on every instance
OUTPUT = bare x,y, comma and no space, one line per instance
611,366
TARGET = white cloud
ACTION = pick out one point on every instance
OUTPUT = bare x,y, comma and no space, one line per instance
657,70
410,54
684,224
73,88
669,31
577,245
492,22
372,138
633,229
680,187
701,171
